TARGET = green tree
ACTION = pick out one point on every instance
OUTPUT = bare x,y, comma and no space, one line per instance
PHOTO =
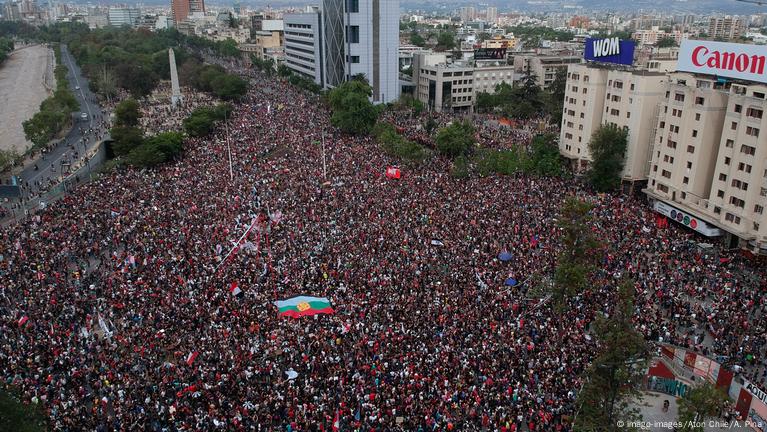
156,150
555,100
127,113
417,39
430,125
456,140
126,139
578,254
229,87
608,147
352,110
544,159
613,382
284,71
228,48
700,403
445,41
18,416
666,42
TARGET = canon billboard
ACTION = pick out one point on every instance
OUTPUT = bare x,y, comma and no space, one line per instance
746,62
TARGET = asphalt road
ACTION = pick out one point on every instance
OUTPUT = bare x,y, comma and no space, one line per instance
50,167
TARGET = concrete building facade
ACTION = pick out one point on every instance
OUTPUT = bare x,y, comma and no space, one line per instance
596,95
303,45
544,67
446,87
345,38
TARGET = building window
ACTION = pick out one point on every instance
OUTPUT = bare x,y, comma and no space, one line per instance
697,116
353,34
720,193
699,101
694,133
748,150
353,59
737,202
679,97
727,160
690,149
686,180
734,125
758,209
729,143
689,165
754,112
352,6
666,174
717,210
722,177
738,108
752,131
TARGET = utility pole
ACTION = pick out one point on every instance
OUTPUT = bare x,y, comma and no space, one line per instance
229,148
324,165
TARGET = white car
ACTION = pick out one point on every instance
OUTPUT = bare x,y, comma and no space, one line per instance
84,116
77,87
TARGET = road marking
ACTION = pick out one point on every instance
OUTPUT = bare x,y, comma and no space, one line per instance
77,82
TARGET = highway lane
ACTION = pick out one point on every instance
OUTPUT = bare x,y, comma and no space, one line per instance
82,139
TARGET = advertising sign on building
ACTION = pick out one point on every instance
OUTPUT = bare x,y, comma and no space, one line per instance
686,219
610,50
724,59
489,53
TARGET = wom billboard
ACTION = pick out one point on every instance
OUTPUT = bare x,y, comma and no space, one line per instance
610,50
746,62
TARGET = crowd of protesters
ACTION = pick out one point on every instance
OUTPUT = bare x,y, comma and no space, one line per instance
117,312
157,115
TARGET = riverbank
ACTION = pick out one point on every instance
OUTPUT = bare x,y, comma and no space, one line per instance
26,79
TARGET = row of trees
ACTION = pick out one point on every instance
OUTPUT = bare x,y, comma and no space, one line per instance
526,99
137,60
55,111
6,47
202,120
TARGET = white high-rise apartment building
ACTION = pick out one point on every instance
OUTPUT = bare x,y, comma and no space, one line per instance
491,15
347,38
598,95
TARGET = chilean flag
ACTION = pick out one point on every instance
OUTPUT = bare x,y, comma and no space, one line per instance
234,289
393,173
190,358
336,423
23,320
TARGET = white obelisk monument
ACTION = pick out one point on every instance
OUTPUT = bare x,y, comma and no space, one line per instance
176,96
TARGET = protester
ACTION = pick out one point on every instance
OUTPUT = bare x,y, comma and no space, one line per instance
116,310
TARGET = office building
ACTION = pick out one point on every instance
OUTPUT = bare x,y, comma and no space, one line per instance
303,49
726,28
468,14
445,87
544,67
709,158
118,17
183,9
486,78
491,15
347,38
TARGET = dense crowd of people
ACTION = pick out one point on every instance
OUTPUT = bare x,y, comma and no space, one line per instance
157,115
117,312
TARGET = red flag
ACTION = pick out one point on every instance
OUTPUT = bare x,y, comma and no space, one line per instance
234,289
190,358
393,173
23,320
336,422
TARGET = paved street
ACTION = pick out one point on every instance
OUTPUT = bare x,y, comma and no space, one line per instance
49,168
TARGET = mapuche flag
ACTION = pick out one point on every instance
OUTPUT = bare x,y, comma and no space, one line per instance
302,306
